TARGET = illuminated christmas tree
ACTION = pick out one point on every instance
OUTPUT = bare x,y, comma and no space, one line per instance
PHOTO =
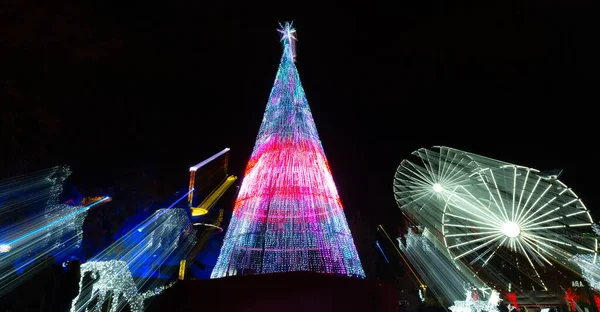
288,215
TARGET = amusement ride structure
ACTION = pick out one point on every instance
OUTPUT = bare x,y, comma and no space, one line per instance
496,225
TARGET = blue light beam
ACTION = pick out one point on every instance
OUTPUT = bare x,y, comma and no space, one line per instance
11,243
382,253
165,210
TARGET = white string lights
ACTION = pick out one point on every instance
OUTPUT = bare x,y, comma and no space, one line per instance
132,269
472,305
590,270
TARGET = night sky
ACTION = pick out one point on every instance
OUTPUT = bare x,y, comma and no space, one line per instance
160,86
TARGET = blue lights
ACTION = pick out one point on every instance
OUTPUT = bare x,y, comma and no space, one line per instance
166,209
382,253
55,222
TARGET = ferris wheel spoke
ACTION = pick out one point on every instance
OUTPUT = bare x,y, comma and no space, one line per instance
410,183
563,205
534,245
485,222
420,179
417,192
536,201
459,178
475,240
493,198
528,220
441,164
531,263
528,197
468,211
421,195
580,224
570,202
526,223
494,252
537,243
514,192
410,193
451,176
452,225
479,247
410,188
584,248
516,216
472,234
444,168
545,227
419,173
483,255
499,195
537,225
490,215
577,213
428,168
535,237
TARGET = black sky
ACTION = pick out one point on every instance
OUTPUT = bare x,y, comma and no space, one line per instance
159,86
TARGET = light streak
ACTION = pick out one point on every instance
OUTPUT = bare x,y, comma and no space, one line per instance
444,278
209,225
213,197
208,160
36,227
415,275
53,223
382,253
163,211
193,170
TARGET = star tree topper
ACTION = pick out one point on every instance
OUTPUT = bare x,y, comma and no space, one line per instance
288,32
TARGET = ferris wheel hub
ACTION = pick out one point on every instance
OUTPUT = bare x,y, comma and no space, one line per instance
437,187
511,229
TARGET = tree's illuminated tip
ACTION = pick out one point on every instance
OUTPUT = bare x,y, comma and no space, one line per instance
287,31
4,248
511,229
438,187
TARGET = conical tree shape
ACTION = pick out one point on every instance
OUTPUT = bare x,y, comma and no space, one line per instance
288,215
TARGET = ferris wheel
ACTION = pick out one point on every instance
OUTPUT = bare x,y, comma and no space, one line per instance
516,211
423,184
